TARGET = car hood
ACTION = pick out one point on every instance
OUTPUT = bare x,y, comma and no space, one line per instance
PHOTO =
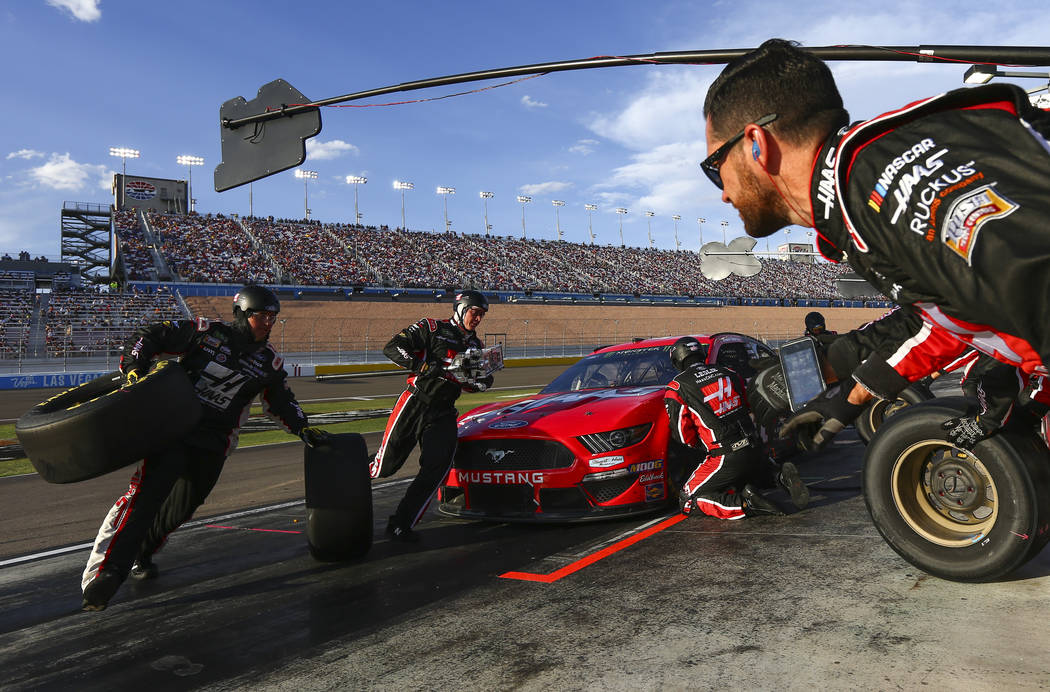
573,413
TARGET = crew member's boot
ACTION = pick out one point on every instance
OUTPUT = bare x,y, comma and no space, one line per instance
756,505
789,480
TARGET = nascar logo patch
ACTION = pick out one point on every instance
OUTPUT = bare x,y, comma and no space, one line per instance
968,214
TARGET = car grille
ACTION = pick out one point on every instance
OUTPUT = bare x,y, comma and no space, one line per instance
501,498
513,455
610,489
563,499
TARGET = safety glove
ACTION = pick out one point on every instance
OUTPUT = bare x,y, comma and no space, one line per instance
132,376
829,413
314,437
966,431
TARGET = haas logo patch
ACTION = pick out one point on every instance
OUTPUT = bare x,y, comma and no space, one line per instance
721,397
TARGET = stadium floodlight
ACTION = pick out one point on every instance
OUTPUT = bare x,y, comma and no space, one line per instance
189,162
485,197
622,211
557,218
649,220
677,243
590,228
982,74
446,191
124,153
356,180
725,225
307,176
700,222
523,200
403,185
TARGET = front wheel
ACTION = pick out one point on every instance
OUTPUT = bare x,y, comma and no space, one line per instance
956,514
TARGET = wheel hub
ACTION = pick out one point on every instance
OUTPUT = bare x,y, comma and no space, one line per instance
954,485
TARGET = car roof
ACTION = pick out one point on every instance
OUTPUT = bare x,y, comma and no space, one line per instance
659,341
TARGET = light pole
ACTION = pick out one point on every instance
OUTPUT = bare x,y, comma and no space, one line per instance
523,199
485,197
557,217
306,176
725,225
649,220
402,185
622,211
356,180
700,223
677,243
590,228
787,241
124,153
189,162
446,191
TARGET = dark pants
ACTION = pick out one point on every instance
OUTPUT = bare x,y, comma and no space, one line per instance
416,421
712,488
164,492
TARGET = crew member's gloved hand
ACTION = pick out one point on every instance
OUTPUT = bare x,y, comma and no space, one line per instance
966,431
133,375
831,412
315,436
431,368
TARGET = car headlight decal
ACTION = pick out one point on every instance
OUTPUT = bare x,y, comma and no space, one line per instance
597,443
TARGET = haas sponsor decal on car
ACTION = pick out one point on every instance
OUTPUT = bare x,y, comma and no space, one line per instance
968,214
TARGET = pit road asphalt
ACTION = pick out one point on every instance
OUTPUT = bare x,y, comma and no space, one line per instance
815,598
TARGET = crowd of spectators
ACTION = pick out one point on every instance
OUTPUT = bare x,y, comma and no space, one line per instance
310,254
138,264
83,322
212,249
16,314
23,256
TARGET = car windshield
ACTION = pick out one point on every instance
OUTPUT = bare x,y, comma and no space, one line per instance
638,367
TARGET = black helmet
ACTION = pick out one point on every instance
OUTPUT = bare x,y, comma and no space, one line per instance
252,299
814,320
685,352
466,300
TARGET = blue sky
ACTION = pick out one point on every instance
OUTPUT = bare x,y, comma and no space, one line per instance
85,75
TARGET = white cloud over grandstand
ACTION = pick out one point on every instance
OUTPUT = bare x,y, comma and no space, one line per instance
84,10
545,188
61,172
332,149
584,147
529,102
26,154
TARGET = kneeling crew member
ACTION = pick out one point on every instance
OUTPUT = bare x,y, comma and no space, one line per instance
426,412
229,364
707,411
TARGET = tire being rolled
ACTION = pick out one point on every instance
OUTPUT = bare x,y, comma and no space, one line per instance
103,425
338,498
876,414
962,516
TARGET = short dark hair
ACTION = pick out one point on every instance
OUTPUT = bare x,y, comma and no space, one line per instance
777,77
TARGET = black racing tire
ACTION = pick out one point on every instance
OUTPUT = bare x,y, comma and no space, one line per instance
950,529
875,415
103,425
338,499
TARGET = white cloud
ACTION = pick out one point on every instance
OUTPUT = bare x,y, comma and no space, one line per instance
61,172
544,188
84,10
318,150
25,154
528,102
584,147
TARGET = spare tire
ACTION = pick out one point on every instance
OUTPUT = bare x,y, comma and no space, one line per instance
103,425
960,515
876,414
338,498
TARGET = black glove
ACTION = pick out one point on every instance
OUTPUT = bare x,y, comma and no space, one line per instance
966,431
133,375
314,437
831,411
431,368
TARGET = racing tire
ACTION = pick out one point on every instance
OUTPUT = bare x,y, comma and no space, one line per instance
103,425
949,528
338,498
875,415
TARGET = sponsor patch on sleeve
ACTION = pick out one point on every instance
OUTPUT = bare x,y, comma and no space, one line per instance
968,214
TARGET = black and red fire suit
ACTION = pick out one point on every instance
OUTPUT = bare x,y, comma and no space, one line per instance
942,206
228,370
425,412
707,410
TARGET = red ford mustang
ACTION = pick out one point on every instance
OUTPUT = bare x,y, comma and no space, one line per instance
592,444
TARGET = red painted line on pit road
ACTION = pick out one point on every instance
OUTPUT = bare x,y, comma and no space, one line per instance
242,528
594,557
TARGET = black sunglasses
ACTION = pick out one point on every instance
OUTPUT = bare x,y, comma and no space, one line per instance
711,166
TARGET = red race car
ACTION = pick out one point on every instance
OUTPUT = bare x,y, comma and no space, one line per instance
592,444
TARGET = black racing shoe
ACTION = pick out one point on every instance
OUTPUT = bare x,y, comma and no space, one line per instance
100,589
789,480
756,505
400,533
144,569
